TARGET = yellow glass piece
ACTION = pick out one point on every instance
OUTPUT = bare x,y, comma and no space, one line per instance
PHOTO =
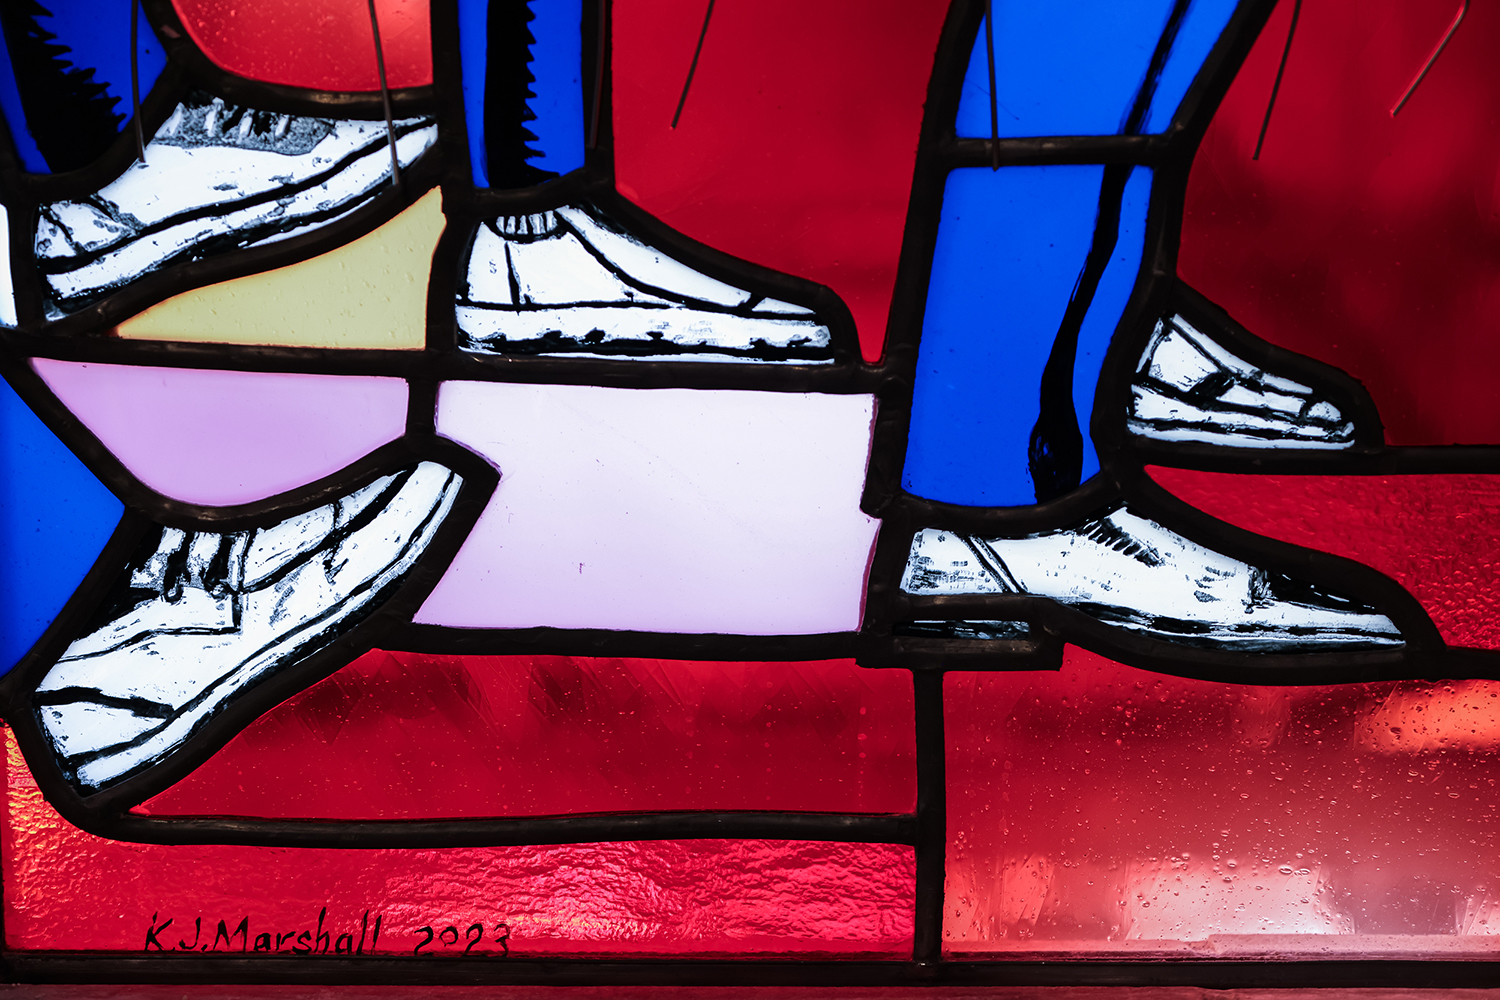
371,293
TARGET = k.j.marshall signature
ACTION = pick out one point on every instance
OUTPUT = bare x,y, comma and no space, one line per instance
458,938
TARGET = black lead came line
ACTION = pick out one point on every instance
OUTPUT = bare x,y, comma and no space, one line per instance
693,66
385,96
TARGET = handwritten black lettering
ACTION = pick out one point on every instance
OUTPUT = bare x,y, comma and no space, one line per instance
335,935
184,946
502,937
243,930
153,930
320,943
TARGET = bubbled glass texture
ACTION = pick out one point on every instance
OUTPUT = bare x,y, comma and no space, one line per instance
1103,809
69,890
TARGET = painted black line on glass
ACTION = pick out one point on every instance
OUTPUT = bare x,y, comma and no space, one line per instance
1276,85
693,66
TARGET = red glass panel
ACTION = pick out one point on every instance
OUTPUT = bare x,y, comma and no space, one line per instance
325,45
1363,240
412,736
1439,536
790,152
1105,809
65,889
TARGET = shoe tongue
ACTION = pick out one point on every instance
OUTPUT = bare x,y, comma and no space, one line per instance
538,224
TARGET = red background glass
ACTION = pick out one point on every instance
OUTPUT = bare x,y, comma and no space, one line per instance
1362,240
418,736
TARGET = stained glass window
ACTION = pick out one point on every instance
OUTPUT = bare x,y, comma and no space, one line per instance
642,490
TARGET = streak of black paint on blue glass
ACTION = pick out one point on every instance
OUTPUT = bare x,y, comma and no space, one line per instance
1074,68
556,95
1200,29
96,34
1010,247
55,518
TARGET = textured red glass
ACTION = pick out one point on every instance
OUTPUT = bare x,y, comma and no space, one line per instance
414,736
65,889
324,44
790,152
1105,809
1361,240
1438,536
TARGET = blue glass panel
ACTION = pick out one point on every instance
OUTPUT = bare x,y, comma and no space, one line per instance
54,520
556,90
95,40
557,65
473,19
98,33
1061,68
1010,247
1200,29
15,118
1109,304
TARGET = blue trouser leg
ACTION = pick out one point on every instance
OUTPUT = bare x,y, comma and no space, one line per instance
1033,265
55,518
523,89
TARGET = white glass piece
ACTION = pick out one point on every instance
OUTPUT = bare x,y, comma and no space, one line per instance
81,726
204,189
671,510
568,283
1189,387
241,607
7,283
1131,572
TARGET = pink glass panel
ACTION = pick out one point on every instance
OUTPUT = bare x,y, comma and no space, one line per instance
417,736
826,198
671,510
1439,536
324,45
1107,809
1361,239
225,437
65,889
